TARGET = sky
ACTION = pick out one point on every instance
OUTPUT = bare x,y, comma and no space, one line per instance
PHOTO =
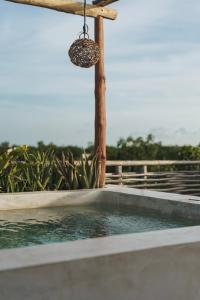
152,56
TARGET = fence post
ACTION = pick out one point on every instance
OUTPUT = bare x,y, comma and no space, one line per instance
145,171
118,171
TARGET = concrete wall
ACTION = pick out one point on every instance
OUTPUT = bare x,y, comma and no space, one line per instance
163,203
162,265
9,201
159,265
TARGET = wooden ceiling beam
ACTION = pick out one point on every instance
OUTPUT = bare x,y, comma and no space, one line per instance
72,7
103,2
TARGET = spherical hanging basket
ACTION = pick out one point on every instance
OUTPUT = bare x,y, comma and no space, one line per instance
84,53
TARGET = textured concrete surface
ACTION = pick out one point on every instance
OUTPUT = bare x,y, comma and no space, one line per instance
164,203
46,199
159,265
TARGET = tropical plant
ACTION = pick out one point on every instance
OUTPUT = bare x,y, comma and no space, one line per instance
82,174
22,170
10,177
37,170
67,169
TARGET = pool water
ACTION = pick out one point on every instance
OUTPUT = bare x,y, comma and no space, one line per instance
19,228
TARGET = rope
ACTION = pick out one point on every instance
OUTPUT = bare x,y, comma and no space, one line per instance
85,26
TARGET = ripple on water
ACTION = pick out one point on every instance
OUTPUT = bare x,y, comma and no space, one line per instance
21,228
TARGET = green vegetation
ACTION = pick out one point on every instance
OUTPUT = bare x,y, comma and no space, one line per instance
48,167
23,170
148,149
126,149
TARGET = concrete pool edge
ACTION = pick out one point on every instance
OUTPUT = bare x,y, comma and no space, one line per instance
28,200
170,204
11,259
141,266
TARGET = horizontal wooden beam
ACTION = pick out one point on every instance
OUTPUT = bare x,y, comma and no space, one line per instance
151,162
103,2
72,7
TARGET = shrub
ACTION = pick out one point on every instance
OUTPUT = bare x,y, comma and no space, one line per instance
22,170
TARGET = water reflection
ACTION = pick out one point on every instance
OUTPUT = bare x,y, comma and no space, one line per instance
49,225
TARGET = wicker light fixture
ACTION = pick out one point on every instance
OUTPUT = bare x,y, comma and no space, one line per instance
84,52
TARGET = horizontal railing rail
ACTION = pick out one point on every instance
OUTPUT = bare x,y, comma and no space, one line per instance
151,162
179,176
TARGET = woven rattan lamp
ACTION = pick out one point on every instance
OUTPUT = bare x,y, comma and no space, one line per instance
84,52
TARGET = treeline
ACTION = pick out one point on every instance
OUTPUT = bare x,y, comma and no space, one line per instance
126,149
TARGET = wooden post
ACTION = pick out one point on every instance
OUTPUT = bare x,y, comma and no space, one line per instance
145,171
100,106
119,171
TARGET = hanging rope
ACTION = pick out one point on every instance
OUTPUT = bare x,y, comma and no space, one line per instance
85,26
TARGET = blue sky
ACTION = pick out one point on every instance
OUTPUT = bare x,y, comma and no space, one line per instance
152,71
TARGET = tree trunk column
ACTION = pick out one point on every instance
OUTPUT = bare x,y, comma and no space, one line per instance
100,106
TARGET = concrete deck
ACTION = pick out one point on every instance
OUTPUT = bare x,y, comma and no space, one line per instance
158,265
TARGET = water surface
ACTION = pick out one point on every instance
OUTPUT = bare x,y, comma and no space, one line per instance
19,228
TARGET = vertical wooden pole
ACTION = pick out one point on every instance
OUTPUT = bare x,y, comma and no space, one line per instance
100,106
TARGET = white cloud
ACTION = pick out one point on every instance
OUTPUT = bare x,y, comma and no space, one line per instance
152,64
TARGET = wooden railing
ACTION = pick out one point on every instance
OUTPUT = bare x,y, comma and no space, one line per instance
167,176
